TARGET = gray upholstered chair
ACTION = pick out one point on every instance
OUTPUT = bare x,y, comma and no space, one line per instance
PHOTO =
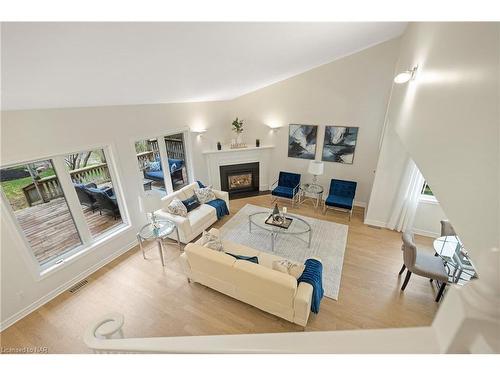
422,264
447,229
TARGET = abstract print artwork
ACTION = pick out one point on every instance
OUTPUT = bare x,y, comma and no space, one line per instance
302,141
340,143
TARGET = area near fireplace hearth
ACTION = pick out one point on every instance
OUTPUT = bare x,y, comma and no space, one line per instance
242,172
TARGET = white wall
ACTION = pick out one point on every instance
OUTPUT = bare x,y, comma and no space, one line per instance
351,91
427,219
447,120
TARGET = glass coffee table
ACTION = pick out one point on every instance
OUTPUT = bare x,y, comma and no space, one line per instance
163,230
299,228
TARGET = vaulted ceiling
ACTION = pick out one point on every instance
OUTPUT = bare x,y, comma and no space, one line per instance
54,65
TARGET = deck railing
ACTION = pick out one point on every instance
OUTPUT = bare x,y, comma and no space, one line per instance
49,187
175,150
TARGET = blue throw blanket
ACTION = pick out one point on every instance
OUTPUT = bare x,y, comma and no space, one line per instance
220,207
313,274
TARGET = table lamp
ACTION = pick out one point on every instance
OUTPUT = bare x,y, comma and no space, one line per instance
316,169
151,202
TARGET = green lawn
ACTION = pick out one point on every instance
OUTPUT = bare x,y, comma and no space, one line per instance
13,189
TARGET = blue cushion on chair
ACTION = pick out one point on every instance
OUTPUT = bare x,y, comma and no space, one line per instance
287,179
157,175
338,201
282,191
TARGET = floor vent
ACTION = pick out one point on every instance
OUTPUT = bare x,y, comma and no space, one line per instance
75,288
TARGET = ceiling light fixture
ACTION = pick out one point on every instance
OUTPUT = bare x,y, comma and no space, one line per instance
406,76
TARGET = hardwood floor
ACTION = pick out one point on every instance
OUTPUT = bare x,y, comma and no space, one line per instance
158,301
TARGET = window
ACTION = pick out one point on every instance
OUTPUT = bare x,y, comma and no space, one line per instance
163,153
426,190
426,193
176,152
91,178
149,161
62,205
40,208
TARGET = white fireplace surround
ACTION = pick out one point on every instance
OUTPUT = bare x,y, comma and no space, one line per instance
261,155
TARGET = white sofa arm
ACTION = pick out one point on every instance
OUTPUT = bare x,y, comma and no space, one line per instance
224,195
302,303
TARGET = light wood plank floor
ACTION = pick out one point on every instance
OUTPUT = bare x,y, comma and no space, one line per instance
158,301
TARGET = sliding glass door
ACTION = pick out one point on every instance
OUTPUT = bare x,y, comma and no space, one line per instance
177,160
167,153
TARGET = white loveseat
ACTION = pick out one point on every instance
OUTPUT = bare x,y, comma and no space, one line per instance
197,220
256,284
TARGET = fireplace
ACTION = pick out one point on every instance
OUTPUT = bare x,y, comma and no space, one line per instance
240,180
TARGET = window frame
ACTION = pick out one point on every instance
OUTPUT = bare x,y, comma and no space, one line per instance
160,139
88,243
427,198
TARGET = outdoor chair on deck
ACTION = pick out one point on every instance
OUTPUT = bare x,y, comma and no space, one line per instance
106,201
85,196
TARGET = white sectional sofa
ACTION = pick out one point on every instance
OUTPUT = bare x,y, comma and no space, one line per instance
256,284
197,220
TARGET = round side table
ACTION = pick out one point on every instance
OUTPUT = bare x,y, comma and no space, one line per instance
313,192
149,233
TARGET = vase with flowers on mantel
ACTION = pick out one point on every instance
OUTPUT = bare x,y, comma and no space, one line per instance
238,129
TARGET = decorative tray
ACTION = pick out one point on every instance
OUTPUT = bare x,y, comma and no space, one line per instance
283,224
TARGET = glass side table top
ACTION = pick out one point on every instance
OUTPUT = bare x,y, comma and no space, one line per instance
312,188
298,225
165,227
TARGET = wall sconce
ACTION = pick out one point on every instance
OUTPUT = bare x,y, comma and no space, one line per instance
199,131
406,76
275,128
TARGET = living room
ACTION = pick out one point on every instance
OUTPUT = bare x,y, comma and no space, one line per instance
340,160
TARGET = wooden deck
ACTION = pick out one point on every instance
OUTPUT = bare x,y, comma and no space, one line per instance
49,227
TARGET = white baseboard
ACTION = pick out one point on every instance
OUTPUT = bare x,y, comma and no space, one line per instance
54,293
375,223
426,233
360,204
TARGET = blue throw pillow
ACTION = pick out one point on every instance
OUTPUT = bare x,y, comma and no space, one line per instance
200,184
242,257
155,166
191,203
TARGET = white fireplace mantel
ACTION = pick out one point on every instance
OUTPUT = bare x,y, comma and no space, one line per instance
218,158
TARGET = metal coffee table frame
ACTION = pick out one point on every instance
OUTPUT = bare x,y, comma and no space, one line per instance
275,231
147,233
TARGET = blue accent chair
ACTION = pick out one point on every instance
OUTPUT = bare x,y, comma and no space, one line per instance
341,196
287,186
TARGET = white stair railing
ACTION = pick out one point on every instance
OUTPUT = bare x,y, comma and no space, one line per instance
101,337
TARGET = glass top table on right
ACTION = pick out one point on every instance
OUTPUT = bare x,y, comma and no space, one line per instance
299,228
451,250
313,192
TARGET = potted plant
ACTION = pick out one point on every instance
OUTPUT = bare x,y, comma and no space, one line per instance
238,129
